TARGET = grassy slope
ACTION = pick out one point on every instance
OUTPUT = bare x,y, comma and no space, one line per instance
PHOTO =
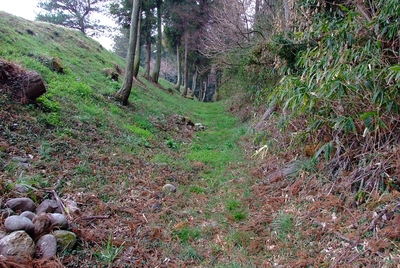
113,161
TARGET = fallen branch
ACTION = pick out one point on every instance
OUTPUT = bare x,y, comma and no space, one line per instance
373,223
267,114
380,215
89,218
59,203
343,237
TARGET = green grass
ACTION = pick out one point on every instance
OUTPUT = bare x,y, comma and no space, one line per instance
187,234
283,225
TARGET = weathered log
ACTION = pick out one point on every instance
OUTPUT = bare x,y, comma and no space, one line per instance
21,85
33,86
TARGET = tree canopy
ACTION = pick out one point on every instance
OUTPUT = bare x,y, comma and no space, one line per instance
76,14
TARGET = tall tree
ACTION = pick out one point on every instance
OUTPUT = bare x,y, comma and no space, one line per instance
185,16
149,23
156,72
74,14
124,92
136,64
173,37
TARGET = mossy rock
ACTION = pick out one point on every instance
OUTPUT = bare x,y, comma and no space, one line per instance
112,74
57,65
66,240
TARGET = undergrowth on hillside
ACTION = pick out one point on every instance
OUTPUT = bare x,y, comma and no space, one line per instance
328,154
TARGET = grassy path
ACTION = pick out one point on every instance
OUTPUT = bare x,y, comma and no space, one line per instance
214,198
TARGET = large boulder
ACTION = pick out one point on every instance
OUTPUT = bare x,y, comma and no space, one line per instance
17,244
22,85
18,223
47,206
58,220
46,246
65,239
22,204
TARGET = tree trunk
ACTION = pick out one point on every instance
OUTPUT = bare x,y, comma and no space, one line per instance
146,72
186,71
156,72
123,94
136,64
178,59
81,25
194,80
205,91
256,13
287,14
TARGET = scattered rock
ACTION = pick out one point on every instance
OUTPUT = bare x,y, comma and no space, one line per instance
169,188
46,246
47,206
18,223
199,127
156,207
18,244
183,120
111,73
197,166
57,65
28,214
19,187
22,204
65,239
58,220
160,195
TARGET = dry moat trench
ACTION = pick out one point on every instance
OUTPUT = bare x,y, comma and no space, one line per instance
227,206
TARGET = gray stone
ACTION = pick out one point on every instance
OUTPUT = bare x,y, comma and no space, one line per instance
17,244
58,220
47,206
156,207
65,239
21,188
22,204
169,188
18,223
46,246
20,159
199,127
28,214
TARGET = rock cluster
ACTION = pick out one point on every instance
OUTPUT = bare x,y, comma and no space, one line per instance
25,223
